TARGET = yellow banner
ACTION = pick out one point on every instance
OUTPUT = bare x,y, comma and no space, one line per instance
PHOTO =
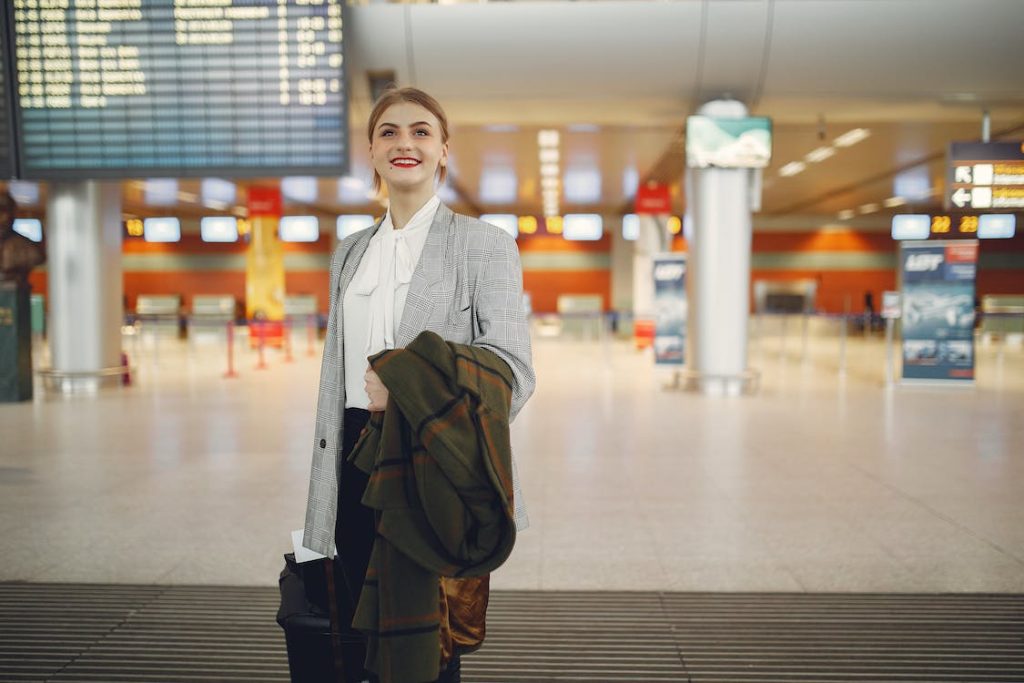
264,274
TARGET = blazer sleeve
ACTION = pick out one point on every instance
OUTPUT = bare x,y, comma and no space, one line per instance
501,324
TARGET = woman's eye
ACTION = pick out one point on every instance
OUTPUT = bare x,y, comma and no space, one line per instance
422,132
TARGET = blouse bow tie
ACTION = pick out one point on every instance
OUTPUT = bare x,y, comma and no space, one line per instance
394,267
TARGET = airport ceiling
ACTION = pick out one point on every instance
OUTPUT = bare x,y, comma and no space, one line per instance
617,79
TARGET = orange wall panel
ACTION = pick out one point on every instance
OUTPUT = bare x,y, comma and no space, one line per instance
544,286
315,282
184,283
834,286
555,243
845,240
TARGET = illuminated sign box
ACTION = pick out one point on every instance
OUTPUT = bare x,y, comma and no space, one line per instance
219,229
508,222
161,191
163,229
218,193
911,226
984,226
997,226
582,227
985,175
299,229
32,228
24,192
498,185
728,143
630,227
300,189
350,225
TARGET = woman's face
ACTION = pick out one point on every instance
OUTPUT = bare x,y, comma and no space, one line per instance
406,149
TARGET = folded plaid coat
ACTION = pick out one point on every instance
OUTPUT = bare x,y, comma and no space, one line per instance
440,466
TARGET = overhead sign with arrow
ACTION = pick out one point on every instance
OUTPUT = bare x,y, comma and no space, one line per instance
985,175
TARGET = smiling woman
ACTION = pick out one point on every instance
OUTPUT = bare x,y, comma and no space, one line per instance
421,269
411,113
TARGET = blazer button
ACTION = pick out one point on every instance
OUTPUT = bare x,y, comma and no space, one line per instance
323,443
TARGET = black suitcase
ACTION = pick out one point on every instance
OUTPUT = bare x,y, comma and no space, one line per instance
315,653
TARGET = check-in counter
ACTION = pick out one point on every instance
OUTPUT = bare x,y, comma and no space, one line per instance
1002,316
158,313
210,315
582,315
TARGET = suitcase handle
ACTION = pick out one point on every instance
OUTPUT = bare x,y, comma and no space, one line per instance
332,601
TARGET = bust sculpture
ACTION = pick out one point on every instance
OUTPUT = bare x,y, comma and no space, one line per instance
18,254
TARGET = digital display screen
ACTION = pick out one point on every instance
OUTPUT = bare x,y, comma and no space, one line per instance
299,228
128,88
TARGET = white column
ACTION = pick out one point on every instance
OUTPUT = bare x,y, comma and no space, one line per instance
718,280
83,222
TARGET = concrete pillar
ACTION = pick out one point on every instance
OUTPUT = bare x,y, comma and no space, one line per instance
718,281
83,222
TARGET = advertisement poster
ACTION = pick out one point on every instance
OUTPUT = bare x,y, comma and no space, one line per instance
669,308
728,143
938,310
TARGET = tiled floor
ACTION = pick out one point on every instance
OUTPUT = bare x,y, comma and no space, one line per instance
822,481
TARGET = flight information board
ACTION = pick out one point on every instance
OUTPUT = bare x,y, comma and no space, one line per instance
130,88
7,168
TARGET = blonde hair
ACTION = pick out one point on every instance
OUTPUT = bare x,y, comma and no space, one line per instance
415,96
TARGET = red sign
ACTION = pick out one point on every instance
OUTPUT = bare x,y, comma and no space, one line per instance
962,253
264,201
653,198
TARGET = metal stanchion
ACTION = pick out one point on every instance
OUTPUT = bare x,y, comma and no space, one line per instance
890,369
231,351
261,330
782,336
156,342
803,332
842,337
288,340
311,335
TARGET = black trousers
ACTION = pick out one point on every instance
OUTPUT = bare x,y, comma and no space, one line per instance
354,532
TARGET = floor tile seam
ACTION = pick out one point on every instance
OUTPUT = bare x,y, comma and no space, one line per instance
748,527
855,523
667,571
667,615
100,637
940,515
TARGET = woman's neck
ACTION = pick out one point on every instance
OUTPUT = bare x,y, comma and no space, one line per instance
404,205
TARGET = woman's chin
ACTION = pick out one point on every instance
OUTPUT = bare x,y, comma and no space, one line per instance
408,185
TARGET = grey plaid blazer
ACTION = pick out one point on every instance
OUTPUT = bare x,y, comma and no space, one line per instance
467,287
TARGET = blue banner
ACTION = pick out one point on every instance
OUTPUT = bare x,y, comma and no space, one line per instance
669,308
938,309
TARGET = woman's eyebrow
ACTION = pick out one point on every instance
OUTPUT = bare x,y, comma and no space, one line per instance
395,125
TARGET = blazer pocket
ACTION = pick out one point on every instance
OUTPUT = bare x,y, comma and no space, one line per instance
459,322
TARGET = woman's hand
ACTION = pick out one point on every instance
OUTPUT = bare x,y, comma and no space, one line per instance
377,392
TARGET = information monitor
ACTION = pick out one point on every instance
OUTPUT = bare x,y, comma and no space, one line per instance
146,88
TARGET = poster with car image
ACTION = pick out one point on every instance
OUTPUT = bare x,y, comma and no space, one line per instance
669,308
938,309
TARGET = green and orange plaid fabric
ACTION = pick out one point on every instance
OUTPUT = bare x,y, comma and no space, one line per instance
440,466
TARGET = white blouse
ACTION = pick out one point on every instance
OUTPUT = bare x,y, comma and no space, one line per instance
375,299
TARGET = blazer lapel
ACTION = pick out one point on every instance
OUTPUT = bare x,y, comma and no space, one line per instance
348,271
426,278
